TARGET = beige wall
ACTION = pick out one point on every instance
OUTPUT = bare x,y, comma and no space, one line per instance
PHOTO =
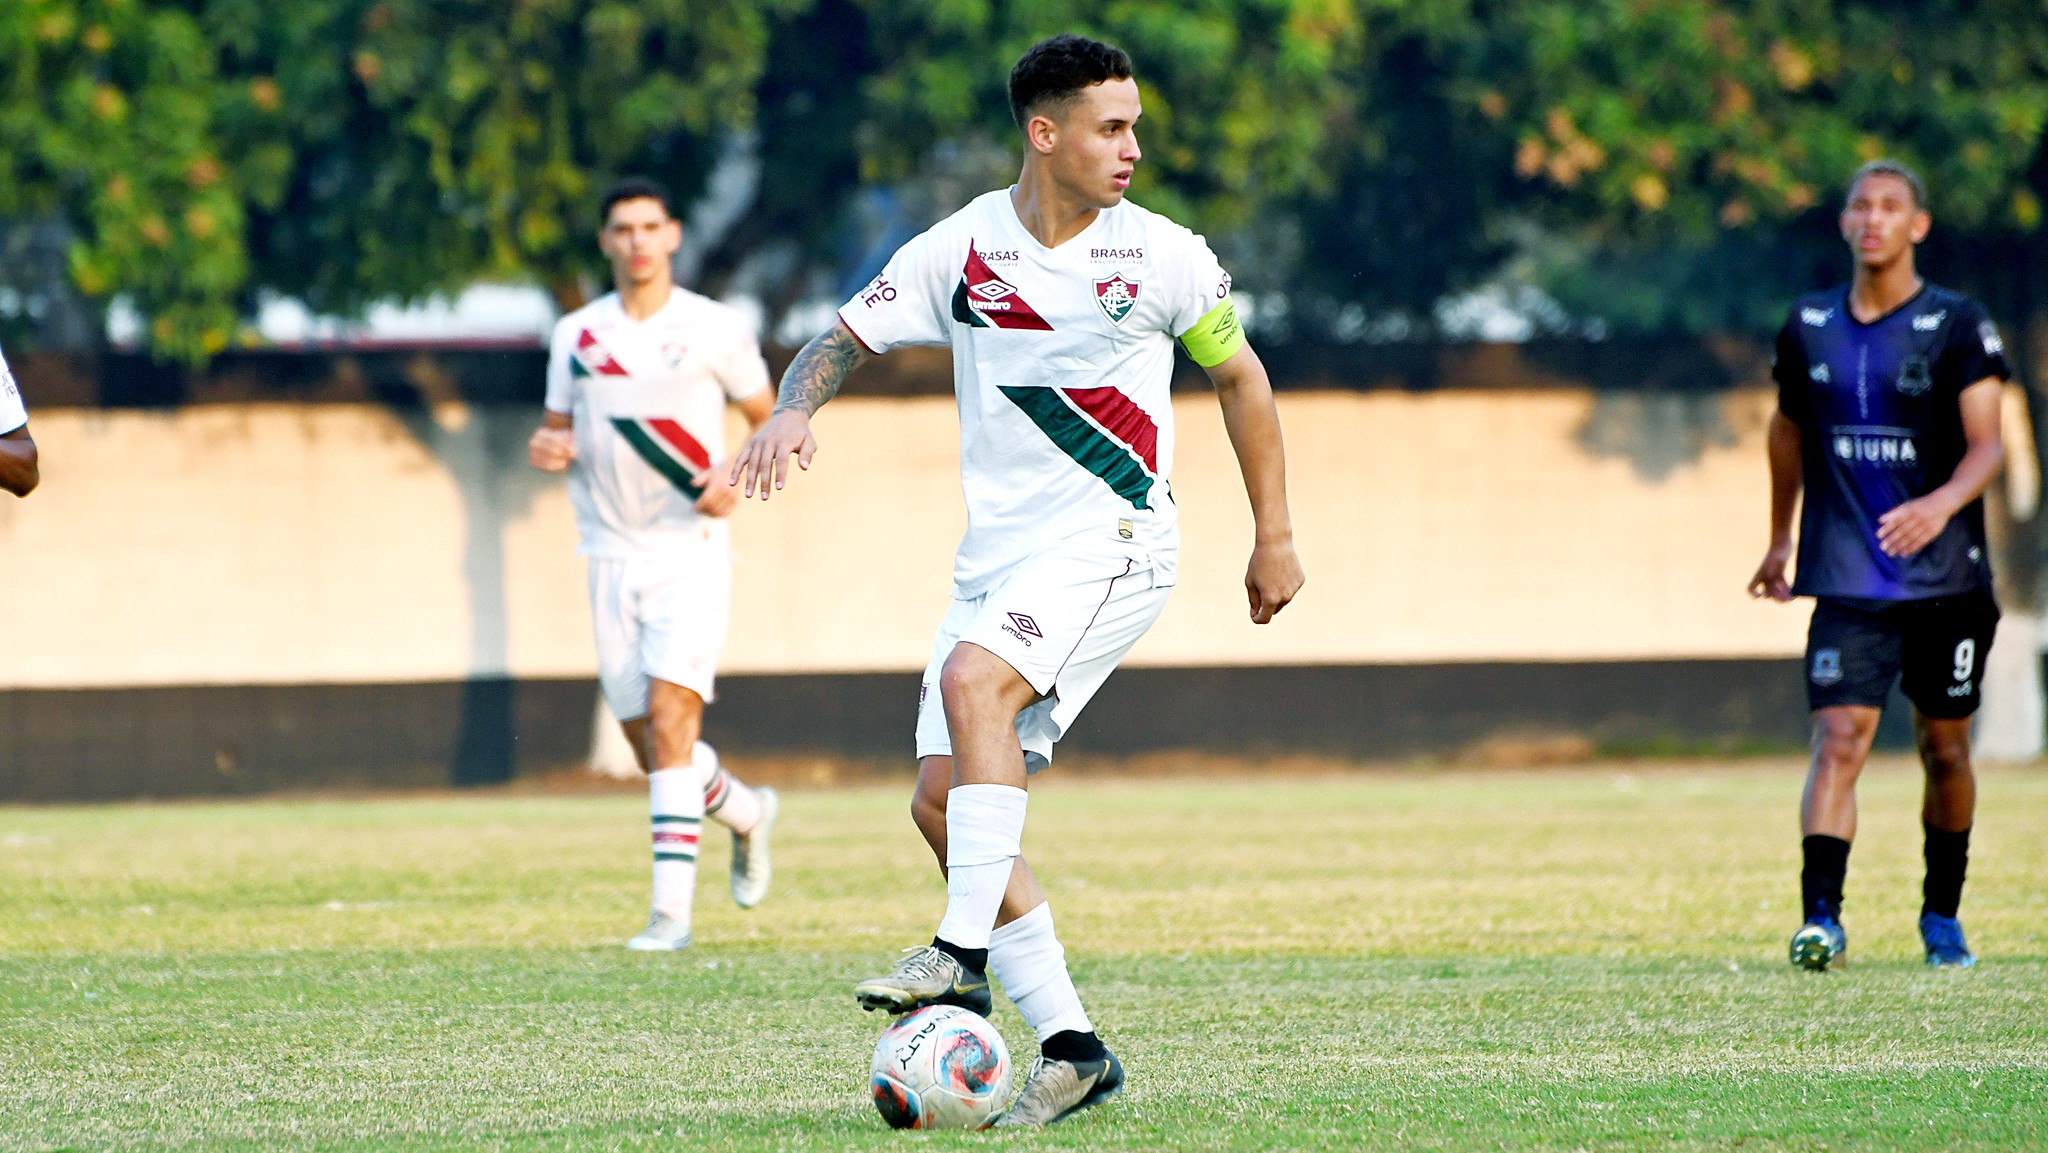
345,543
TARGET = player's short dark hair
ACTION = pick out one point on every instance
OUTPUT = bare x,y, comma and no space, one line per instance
1057,68
1885,166
634,188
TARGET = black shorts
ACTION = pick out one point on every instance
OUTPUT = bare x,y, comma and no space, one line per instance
1934,648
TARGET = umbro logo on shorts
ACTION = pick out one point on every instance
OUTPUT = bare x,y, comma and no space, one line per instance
1026,625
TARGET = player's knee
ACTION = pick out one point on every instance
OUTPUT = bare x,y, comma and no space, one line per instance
1946,755
1841,739
964,686
675,733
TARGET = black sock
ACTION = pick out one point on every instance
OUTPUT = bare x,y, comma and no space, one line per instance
1070,1045
1820,880
974,959
1948,858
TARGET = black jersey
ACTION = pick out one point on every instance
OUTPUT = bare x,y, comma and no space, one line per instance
1880,424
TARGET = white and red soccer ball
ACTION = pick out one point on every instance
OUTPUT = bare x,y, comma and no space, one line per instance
941,1067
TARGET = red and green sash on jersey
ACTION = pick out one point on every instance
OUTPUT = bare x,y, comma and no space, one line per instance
1103,430
667,447
670,449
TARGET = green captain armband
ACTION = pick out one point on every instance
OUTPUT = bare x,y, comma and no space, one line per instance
1216,337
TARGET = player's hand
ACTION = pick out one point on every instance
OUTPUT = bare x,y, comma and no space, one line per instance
1271,580
1913,525
765,458
551,449
1769,580
720,497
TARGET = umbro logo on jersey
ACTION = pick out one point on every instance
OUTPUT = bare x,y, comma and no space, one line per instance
1117,297
1928,322
1820,374
1815,317
985,300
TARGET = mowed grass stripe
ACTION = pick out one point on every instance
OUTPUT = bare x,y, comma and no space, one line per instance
1547,960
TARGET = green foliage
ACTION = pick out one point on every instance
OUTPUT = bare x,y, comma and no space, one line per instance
114,115
350,150
500,125
1373,153
1685,142
1695,115
1236,92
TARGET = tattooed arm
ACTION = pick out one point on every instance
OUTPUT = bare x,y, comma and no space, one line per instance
812,379
814,376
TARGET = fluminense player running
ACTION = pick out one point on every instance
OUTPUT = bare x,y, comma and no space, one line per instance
1888,402
638,381
19,469
1062,303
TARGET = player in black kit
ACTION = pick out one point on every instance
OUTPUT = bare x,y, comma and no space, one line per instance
1888,402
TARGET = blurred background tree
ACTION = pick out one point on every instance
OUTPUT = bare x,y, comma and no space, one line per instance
1688,157
1603,165
442,142
119,131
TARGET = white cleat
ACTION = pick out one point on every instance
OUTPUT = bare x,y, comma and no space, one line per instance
751,868
662,934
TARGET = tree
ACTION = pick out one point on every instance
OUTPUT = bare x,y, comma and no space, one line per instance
351,151
1683,144
1675,163
453,140
115,119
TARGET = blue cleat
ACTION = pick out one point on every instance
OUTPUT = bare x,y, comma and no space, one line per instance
1943,937
1818,942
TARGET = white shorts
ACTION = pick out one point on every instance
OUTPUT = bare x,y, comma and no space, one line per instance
1062,619
660,615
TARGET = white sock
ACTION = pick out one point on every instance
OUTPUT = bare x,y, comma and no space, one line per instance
676,802
984,835
1029,961
727,799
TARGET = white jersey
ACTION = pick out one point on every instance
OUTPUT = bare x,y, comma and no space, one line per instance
1062,359
648,401
13,414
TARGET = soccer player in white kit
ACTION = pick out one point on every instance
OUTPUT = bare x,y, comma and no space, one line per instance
638,381
20,470
1062,303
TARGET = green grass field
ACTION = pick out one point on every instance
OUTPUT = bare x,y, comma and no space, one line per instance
1570,958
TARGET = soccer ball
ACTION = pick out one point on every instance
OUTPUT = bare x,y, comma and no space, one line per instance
941,1067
